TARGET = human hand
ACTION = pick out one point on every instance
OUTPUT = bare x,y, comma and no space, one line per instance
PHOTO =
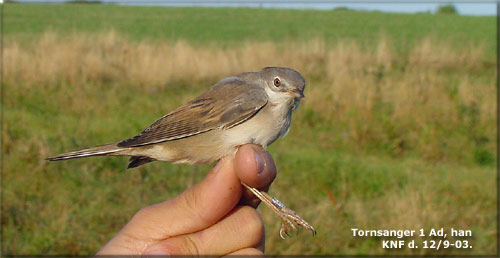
207,218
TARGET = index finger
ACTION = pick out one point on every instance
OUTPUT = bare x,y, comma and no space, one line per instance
207,202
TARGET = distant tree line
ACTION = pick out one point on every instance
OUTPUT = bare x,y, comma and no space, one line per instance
442,9
447,9
84,2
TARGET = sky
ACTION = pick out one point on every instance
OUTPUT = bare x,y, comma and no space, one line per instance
484,7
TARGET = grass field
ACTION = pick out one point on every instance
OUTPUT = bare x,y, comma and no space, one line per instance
237,25
397,130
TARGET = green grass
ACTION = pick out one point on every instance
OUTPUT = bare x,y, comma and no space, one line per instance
345,164
230,26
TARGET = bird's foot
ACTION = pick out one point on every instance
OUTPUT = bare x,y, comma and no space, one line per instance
291,222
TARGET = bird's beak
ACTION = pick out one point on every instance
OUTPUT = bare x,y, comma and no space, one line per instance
297,93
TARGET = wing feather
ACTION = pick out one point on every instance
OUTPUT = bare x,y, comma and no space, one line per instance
226,104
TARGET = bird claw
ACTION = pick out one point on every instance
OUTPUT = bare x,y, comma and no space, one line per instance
286,226
291,223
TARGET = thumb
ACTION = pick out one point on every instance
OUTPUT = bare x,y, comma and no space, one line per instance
195,209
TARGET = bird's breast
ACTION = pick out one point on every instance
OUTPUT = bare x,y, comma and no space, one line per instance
271,123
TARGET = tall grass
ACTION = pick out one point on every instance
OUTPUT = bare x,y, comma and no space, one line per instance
434,102
381,141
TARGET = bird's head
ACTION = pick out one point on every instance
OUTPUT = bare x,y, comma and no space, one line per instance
283,85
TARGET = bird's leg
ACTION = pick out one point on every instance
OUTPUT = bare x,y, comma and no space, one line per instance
289,219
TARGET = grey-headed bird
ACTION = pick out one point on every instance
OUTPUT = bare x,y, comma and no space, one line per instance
252,107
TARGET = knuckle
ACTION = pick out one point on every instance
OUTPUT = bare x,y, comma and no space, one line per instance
144,213
190,199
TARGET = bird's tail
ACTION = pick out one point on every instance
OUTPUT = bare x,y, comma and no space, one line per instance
101,150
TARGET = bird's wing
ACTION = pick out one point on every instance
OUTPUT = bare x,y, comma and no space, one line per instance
226,104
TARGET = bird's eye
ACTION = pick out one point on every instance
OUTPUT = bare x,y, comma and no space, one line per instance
277,82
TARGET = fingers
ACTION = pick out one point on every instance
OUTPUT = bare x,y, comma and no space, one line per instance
255,167
207,202
201,206
247,252
239,230
195,209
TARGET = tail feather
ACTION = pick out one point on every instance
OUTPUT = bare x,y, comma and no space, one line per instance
136,161
101,150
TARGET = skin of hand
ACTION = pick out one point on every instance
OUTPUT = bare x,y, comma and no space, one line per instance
212,217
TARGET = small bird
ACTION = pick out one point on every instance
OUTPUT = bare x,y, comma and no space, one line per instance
252,107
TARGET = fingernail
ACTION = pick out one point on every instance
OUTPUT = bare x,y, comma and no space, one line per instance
260,163
217,166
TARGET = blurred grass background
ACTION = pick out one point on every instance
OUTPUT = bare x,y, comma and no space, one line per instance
397,131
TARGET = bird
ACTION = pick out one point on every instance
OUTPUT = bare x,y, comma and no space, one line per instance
251,107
